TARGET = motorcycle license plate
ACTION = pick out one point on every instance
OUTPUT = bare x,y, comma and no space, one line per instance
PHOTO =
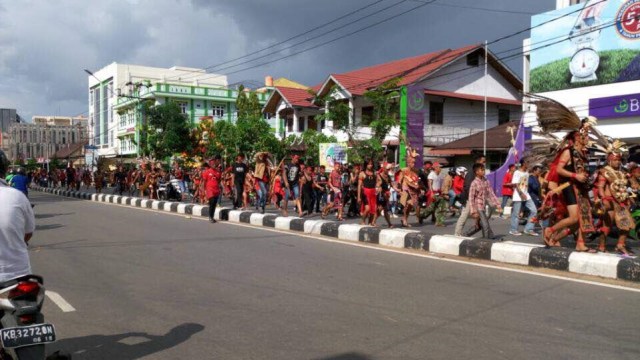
27,335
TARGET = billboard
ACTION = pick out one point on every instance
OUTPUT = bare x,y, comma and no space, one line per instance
594,43
332,153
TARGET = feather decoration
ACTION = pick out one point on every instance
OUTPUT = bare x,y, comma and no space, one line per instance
553,116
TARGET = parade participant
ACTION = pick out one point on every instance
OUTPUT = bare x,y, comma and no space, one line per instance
458,187
70,174
384,185
464,214
151,181
278,190
336,190
438,201
522,198
612,185
291,176
211,177
249,188
120,178
409,181
197,186
481,192
98,179
352,198
308,186
367,194
447,188
535,189
178,174
570,167
240,170
262,165
507,187
321,192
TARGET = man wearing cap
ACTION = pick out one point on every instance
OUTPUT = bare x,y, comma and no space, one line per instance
211,177
438,205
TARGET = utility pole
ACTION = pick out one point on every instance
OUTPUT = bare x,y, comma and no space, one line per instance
486,60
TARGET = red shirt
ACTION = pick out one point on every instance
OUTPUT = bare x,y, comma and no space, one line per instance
211,178
507,191
458,184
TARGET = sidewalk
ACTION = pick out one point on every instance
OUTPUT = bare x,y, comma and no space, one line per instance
521,250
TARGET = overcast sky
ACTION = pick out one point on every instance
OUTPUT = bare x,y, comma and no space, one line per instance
45,45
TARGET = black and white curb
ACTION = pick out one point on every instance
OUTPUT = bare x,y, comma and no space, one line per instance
604,265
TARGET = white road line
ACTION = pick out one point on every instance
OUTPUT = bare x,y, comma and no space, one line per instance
60,301
403,252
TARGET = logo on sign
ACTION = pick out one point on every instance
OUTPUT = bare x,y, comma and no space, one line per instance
628,20
416,101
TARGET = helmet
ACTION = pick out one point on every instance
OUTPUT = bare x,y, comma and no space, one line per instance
4,164
461,170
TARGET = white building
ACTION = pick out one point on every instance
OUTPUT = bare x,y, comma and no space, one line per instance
591,66
117,84
46,135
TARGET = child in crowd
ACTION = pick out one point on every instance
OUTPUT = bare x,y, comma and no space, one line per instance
479,193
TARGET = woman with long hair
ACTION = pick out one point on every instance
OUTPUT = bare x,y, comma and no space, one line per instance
367,193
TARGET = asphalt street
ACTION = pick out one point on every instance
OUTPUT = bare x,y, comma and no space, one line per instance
158,286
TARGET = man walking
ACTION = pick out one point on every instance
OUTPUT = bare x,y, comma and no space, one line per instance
480,193
291,178
522,198
239,174
464,214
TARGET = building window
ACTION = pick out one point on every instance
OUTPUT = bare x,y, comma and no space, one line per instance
367,116
183,105
503,116
436,110
217,111
473,59
289,125
301,124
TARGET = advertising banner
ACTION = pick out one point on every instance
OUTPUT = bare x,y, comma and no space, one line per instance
412,116
332,153
593,43
615,106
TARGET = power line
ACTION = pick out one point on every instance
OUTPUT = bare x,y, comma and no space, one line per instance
295,36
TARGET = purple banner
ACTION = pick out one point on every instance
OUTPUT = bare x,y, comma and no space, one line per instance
416,111
615,106
515,155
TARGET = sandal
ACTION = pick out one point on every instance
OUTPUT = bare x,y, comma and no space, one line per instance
624,251
587,250
548,237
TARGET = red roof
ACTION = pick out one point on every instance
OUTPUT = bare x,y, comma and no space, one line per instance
494,100
409,70
293,96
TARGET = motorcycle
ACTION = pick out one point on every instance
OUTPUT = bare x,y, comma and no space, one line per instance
23,332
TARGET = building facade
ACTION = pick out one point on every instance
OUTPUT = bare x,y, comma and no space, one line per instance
594,67
116,93
42,139
8,117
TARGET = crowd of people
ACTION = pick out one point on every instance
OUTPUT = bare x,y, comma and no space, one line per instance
553,198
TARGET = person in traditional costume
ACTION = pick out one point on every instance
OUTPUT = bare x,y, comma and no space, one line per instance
612,187
410,183
568,173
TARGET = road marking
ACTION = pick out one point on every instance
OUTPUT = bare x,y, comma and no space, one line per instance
60,301
403,252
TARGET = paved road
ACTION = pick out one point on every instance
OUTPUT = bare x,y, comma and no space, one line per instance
158,286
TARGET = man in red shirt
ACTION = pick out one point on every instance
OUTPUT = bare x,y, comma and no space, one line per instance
212,176
507,186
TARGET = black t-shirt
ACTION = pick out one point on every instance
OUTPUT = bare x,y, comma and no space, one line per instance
321,179
239,172
293,174
120,177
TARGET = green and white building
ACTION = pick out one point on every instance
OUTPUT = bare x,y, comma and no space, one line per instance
116,93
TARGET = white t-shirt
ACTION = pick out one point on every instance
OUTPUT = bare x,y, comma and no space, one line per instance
16,220
437,180
521,178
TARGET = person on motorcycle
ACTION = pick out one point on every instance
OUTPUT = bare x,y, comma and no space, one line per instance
17,224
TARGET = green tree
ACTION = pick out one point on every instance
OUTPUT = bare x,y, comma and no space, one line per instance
168,130
31,165
337,111
386,108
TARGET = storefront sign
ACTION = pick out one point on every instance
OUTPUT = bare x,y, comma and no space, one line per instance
615,106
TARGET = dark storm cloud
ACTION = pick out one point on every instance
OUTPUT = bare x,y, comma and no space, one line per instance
45,45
